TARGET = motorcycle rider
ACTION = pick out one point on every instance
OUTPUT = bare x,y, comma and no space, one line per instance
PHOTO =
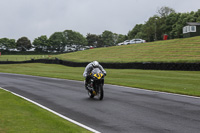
88,70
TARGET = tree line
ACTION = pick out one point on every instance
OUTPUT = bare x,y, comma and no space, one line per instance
166,21
59,40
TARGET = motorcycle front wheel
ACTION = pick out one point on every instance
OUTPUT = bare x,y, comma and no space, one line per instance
90,95
100,92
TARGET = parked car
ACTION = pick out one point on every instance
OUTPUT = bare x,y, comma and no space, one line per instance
126,42
137,41
119,44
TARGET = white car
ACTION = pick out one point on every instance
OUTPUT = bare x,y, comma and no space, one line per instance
137,41
126,42
119,44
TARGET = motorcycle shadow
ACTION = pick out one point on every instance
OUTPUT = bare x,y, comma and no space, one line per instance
92,99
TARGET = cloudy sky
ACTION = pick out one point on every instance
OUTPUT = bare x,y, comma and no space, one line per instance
33,18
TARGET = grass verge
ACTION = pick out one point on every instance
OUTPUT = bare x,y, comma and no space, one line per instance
182,82
22,57
18,115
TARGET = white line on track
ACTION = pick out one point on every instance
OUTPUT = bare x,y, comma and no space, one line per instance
56,113
167,93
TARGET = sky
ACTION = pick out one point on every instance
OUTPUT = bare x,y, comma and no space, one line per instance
33,18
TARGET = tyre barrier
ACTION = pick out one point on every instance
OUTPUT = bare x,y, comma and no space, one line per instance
134,65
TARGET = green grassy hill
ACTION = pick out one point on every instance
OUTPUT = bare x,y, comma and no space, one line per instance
176,50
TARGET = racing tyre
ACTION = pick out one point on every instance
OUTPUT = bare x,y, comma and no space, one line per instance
90,94
100,93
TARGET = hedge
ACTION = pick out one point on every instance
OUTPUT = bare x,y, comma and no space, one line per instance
134,65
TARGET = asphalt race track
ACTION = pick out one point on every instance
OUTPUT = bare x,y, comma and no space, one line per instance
123,109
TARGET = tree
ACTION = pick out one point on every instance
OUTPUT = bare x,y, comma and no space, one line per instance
100,41
108,38
57,42
23,44
197,15
135,31
150,29
177,27
165,11
121,38
169,22
74,38
92,39
7,44
41,43
115,38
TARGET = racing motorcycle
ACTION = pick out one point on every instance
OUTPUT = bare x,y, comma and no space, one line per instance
96,83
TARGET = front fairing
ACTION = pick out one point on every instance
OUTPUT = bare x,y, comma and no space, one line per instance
97,77
97,74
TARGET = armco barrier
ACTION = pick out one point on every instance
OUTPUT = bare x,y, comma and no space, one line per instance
137,65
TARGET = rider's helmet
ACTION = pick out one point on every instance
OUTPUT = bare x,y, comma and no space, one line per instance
95,63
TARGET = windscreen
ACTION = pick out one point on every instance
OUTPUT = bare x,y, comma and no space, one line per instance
96,70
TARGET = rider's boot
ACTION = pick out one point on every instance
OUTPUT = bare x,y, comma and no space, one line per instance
88,88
